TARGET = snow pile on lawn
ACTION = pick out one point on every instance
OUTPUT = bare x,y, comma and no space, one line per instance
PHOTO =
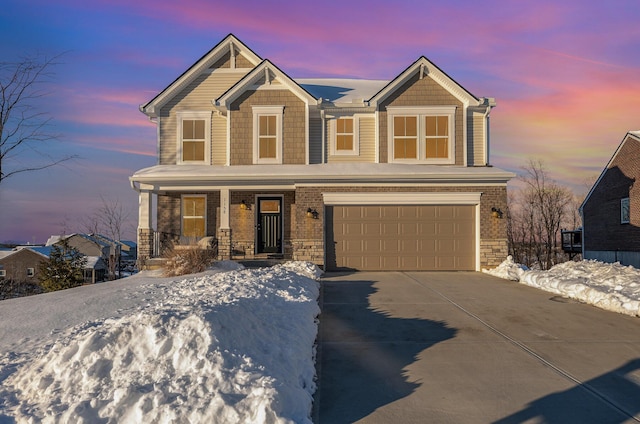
223,347
608,286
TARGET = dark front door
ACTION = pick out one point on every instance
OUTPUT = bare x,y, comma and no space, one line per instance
269,225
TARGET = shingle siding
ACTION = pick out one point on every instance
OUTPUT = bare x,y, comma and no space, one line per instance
294,125
422,92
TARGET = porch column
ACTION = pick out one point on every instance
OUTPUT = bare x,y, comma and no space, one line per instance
224,232
145,231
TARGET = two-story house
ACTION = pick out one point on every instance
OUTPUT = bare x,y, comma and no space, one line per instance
347,173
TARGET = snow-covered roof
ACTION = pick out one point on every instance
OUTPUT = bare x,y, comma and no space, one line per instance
342,90
260,175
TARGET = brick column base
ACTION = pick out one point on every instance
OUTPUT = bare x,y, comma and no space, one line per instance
224,243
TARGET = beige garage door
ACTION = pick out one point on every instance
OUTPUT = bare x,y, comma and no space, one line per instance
384,238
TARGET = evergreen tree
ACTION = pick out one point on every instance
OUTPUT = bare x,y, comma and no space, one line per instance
64,269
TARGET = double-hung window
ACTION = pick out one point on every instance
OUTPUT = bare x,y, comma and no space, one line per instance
194,216
194,136
344,136
422,135
267,134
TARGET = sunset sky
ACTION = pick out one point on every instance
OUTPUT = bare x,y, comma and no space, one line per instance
565,75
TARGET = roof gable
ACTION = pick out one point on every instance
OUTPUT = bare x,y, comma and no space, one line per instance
262,75
426,69
230,44
635,135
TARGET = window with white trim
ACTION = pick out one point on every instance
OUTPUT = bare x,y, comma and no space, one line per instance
3,273
267,134
422,135
31,272
624,211
344,136
194,137
194,216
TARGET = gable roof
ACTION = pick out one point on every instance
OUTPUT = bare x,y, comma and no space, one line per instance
269,72
631,134
152,107
426,69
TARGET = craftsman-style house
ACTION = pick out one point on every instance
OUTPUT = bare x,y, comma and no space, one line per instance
347,173
611,210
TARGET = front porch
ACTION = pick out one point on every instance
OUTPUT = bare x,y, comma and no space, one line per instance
244,224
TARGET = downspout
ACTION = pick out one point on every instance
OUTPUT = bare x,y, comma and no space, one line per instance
491,103
323,130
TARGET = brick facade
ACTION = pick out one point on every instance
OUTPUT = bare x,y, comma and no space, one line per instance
603,230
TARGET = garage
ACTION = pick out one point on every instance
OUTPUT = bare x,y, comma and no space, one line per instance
401,237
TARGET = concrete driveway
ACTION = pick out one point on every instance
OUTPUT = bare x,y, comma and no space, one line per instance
470,348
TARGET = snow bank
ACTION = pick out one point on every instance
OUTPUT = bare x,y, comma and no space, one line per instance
228,347
608,286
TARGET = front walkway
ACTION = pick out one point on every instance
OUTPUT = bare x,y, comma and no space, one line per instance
470,348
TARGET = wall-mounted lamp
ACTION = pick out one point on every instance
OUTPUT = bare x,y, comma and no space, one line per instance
312,213
496,213
244,206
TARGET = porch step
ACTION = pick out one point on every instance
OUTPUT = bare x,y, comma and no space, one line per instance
154,263
261,262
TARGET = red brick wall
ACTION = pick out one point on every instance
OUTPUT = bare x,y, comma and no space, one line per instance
603,230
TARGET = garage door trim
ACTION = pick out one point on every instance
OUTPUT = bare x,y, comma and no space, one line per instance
348,198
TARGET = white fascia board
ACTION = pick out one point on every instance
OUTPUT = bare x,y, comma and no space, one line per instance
152,107
433,72
245,84
409,198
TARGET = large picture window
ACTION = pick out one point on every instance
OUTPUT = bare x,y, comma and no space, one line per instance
194,216
267,134
423,134
194,135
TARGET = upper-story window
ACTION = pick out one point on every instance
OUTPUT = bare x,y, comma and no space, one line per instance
422,135
344,136
267,134
194,137
624,211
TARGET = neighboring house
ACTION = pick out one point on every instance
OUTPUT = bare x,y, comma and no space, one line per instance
21,265
611,210
347,173
94,245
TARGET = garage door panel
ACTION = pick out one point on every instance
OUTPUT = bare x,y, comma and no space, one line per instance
401,237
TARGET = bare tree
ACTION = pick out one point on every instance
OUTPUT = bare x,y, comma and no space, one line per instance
23,129
109,220
536,214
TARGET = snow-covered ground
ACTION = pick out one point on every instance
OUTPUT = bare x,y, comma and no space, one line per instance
226,346
608,286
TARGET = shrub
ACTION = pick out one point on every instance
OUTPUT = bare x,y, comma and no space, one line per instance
187,259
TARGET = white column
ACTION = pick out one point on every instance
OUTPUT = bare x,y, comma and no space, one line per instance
144,210
225,205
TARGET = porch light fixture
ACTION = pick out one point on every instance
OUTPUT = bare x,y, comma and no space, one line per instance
312,213
244,206
496,213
